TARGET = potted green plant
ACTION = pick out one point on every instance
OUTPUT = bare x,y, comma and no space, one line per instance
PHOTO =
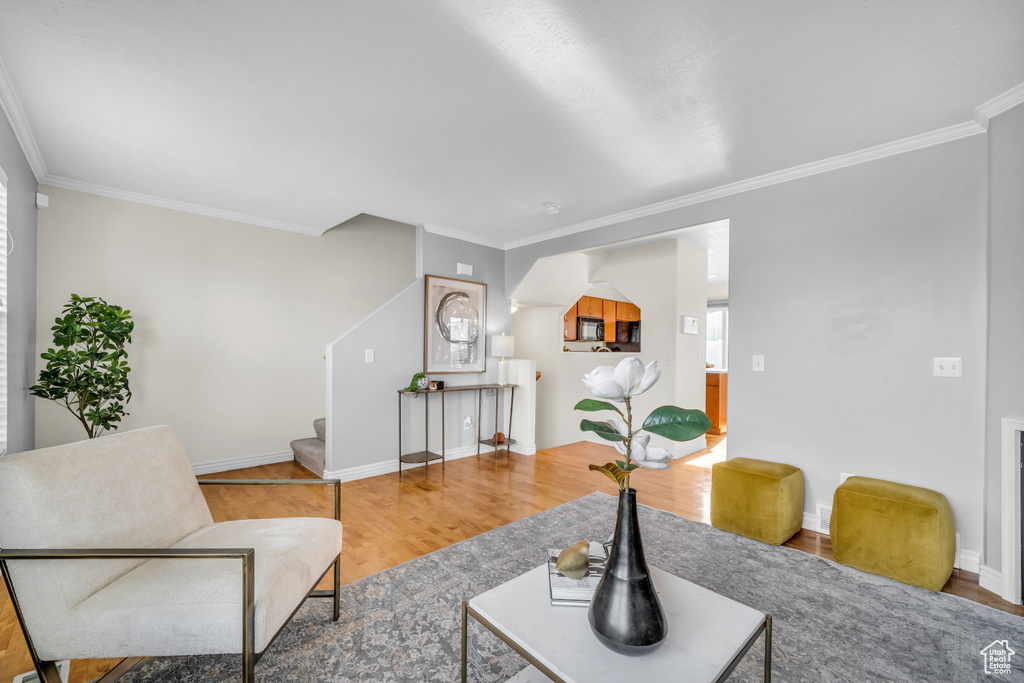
87,368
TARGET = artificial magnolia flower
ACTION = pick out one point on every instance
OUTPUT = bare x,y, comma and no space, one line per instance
651,457
629,378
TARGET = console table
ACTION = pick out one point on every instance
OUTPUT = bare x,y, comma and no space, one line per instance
426,455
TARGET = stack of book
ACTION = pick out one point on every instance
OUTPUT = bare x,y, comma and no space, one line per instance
575,592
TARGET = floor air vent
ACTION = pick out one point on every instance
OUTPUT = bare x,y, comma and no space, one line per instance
63,668
824,518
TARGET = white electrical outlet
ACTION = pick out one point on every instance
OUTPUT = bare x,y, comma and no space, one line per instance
758,363
467,422
369,356
947,367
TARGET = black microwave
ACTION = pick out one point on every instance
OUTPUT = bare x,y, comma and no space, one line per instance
589,329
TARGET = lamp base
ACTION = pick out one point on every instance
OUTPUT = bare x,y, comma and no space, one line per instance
502,372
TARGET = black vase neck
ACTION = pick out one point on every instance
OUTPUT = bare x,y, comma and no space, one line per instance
626,557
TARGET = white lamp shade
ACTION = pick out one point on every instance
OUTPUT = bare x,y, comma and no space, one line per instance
502,345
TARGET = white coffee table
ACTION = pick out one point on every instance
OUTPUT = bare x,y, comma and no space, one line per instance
708,634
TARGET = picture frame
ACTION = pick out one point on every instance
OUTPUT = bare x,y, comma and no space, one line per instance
454,325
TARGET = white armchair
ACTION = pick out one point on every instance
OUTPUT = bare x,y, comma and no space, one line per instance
109,550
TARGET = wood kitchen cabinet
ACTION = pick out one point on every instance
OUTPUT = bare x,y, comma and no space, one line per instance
590,307
626,312
608,308
717,395
569,323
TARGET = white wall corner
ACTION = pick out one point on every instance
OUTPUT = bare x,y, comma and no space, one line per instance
241,462
524,448
1010,466
998,104
968,561
990,579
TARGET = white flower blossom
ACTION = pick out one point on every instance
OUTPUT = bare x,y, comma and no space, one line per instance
651,457
629,378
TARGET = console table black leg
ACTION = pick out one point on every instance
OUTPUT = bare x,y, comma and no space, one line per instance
399,436
496,402
511,404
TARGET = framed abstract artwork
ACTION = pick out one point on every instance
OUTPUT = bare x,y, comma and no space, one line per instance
454,325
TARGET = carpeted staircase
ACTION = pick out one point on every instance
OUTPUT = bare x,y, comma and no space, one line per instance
311,452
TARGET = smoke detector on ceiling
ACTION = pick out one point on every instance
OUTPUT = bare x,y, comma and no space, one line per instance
551,208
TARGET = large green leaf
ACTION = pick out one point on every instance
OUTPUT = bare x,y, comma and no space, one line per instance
677,424
592,405
602,429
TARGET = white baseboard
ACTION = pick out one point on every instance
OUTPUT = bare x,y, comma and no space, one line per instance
810,521
991,579
391,465
970,561
525,448
689,447
241,462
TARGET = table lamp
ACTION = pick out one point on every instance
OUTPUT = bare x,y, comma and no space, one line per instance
502,346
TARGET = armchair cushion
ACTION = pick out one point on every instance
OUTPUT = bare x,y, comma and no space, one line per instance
177,607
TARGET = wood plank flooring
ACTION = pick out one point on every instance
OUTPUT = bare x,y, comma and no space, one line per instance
389,520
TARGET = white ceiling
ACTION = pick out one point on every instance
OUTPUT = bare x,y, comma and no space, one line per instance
468,115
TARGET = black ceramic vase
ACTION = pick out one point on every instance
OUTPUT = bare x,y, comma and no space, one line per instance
625,613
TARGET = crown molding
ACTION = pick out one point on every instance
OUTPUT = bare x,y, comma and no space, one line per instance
138,198
19,123
1000,103
464,236
930,139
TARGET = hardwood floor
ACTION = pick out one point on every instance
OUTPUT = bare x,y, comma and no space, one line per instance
389,520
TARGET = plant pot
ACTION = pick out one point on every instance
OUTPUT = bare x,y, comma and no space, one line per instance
625,613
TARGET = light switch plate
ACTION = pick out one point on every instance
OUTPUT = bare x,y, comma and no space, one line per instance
947,367
758,363
690,325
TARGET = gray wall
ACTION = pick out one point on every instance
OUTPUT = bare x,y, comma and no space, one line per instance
21,292
849,282
363,403
231,319
1006,306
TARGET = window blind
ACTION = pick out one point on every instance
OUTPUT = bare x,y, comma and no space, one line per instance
4,306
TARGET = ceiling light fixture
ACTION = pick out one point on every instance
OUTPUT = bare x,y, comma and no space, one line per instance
551,208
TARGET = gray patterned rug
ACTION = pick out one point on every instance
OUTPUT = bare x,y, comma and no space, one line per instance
832,623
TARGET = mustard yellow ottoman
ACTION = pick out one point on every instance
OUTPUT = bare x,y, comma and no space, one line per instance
894,530
757,499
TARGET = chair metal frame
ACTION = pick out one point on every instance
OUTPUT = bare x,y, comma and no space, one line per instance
47,669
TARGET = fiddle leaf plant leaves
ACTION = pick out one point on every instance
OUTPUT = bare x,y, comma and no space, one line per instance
87,368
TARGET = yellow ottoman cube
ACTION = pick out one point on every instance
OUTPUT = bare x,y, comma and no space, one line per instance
894,530
757,499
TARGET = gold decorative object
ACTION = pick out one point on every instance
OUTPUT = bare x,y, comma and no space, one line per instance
574,561
499,438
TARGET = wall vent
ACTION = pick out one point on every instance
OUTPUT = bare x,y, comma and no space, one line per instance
824,518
